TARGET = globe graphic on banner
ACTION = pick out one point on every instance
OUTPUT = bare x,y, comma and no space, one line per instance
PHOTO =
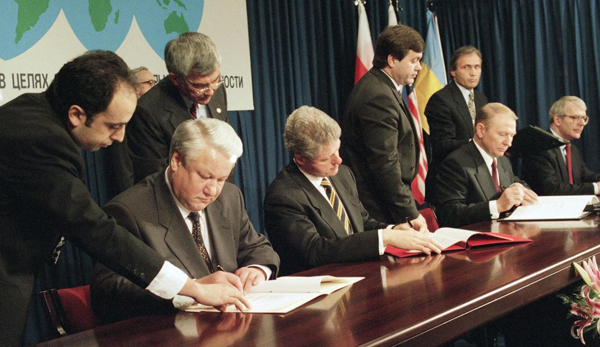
98,24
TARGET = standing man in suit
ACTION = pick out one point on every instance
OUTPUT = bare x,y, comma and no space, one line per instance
193,89
43,199
469,186
451,111
379,139
549,172
307,224
192,217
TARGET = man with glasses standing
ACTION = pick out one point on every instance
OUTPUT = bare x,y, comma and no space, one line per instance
192,90
561,171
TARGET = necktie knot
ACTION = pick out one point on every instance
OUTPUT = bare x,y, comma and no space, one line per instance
194,217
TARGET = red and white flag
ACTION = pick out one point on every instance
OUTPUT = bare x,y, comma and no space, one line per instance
364,45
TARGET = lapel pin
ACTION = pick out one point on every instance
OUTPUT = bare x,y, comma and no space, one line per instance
218,110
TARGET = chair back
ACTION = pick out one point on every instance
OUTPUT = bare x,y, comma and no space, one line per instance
429,215
69,310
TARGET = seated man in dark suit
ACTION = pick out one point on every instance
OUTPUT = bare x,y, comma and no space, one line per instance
549,172
469,186
451,111
312,212
191,216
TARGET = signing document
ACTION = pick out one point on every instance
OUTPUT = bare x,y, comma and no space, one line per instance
554,208
286,293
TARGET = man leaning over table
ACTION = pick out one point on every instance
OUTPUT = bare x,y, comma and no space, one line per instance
192,217
549,172
306,223
43,199
476,182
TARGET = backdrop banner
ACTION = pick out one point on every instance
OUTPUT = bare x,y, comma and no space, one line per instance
38,37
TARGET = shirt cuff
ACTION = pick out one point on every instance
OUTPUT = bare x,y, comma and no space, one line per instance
595,188
494,214
266,270
169,281
381,245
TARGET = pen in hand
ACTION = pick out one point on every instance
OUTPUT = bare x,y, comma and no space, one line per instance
409,223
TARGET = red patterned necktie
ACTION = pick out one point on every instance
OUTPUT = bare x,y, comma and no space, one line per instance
569,167
495,176
194,110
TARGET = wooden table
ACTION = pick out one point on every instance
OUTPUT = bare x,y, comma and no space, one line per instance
418,301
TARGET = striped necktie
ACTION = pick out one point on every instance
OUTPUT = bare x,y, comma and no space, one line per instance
336,204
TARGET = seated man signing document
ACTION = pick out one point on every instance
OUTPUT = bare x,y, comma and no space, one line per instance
191,216
312,212
476,182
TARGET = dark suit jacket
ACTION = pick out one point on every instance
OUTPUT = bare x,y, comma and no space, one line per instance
43,197
547,173
156,117
379,146
305,230
463,187
450,123
149,212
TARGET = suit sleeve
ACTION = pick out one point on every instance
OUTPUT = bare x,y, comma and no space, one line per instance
149,149
453,184
380,125
443,129
254,248
116,298
545,180
290,228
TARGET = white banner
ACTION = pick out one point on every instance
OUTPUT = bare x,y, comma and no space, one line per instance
37,38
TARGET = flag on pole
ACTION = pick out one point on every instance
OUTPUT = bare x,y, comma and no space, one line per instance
392,19
364,44
432,77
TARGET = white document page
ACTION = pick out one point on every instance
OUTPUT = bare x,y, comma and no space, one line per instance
554,207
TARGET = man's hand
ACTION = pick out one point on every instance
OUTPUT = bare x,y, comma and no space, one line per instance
511,196
411,239
420,224
530,196
222,277
218,295
250,276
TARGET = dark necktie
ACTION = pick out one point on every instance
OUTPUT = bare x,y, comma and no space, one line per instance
495,176
194,110
569,166
197,234
336,204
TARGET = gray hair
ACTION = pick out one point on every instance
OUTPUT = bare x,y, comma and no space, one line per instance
307,129
560,106
487,113
135,71
195,135
192,51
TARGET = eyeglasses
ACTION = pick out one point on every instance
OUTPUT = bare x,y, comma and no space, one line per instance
578,119
203,88
151,82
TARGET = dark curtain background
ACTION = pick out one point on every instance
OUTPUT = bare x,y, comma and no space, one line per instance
303,53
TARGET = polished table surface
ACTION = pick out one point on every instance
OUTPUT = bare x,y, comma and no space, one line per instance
417,301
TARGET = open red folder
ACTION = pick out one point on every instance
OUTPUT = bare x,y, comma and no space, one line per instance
452,239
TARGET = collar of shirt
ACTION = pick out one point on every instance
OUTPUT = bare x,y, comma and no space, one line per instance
563,148
486,157
398,86
314,180
465,92
184,211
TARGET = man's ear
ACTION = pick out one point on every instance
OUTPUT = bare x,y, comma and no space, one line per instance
300,160
176,160
453,73
173,77
479,127
556,120
76,115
